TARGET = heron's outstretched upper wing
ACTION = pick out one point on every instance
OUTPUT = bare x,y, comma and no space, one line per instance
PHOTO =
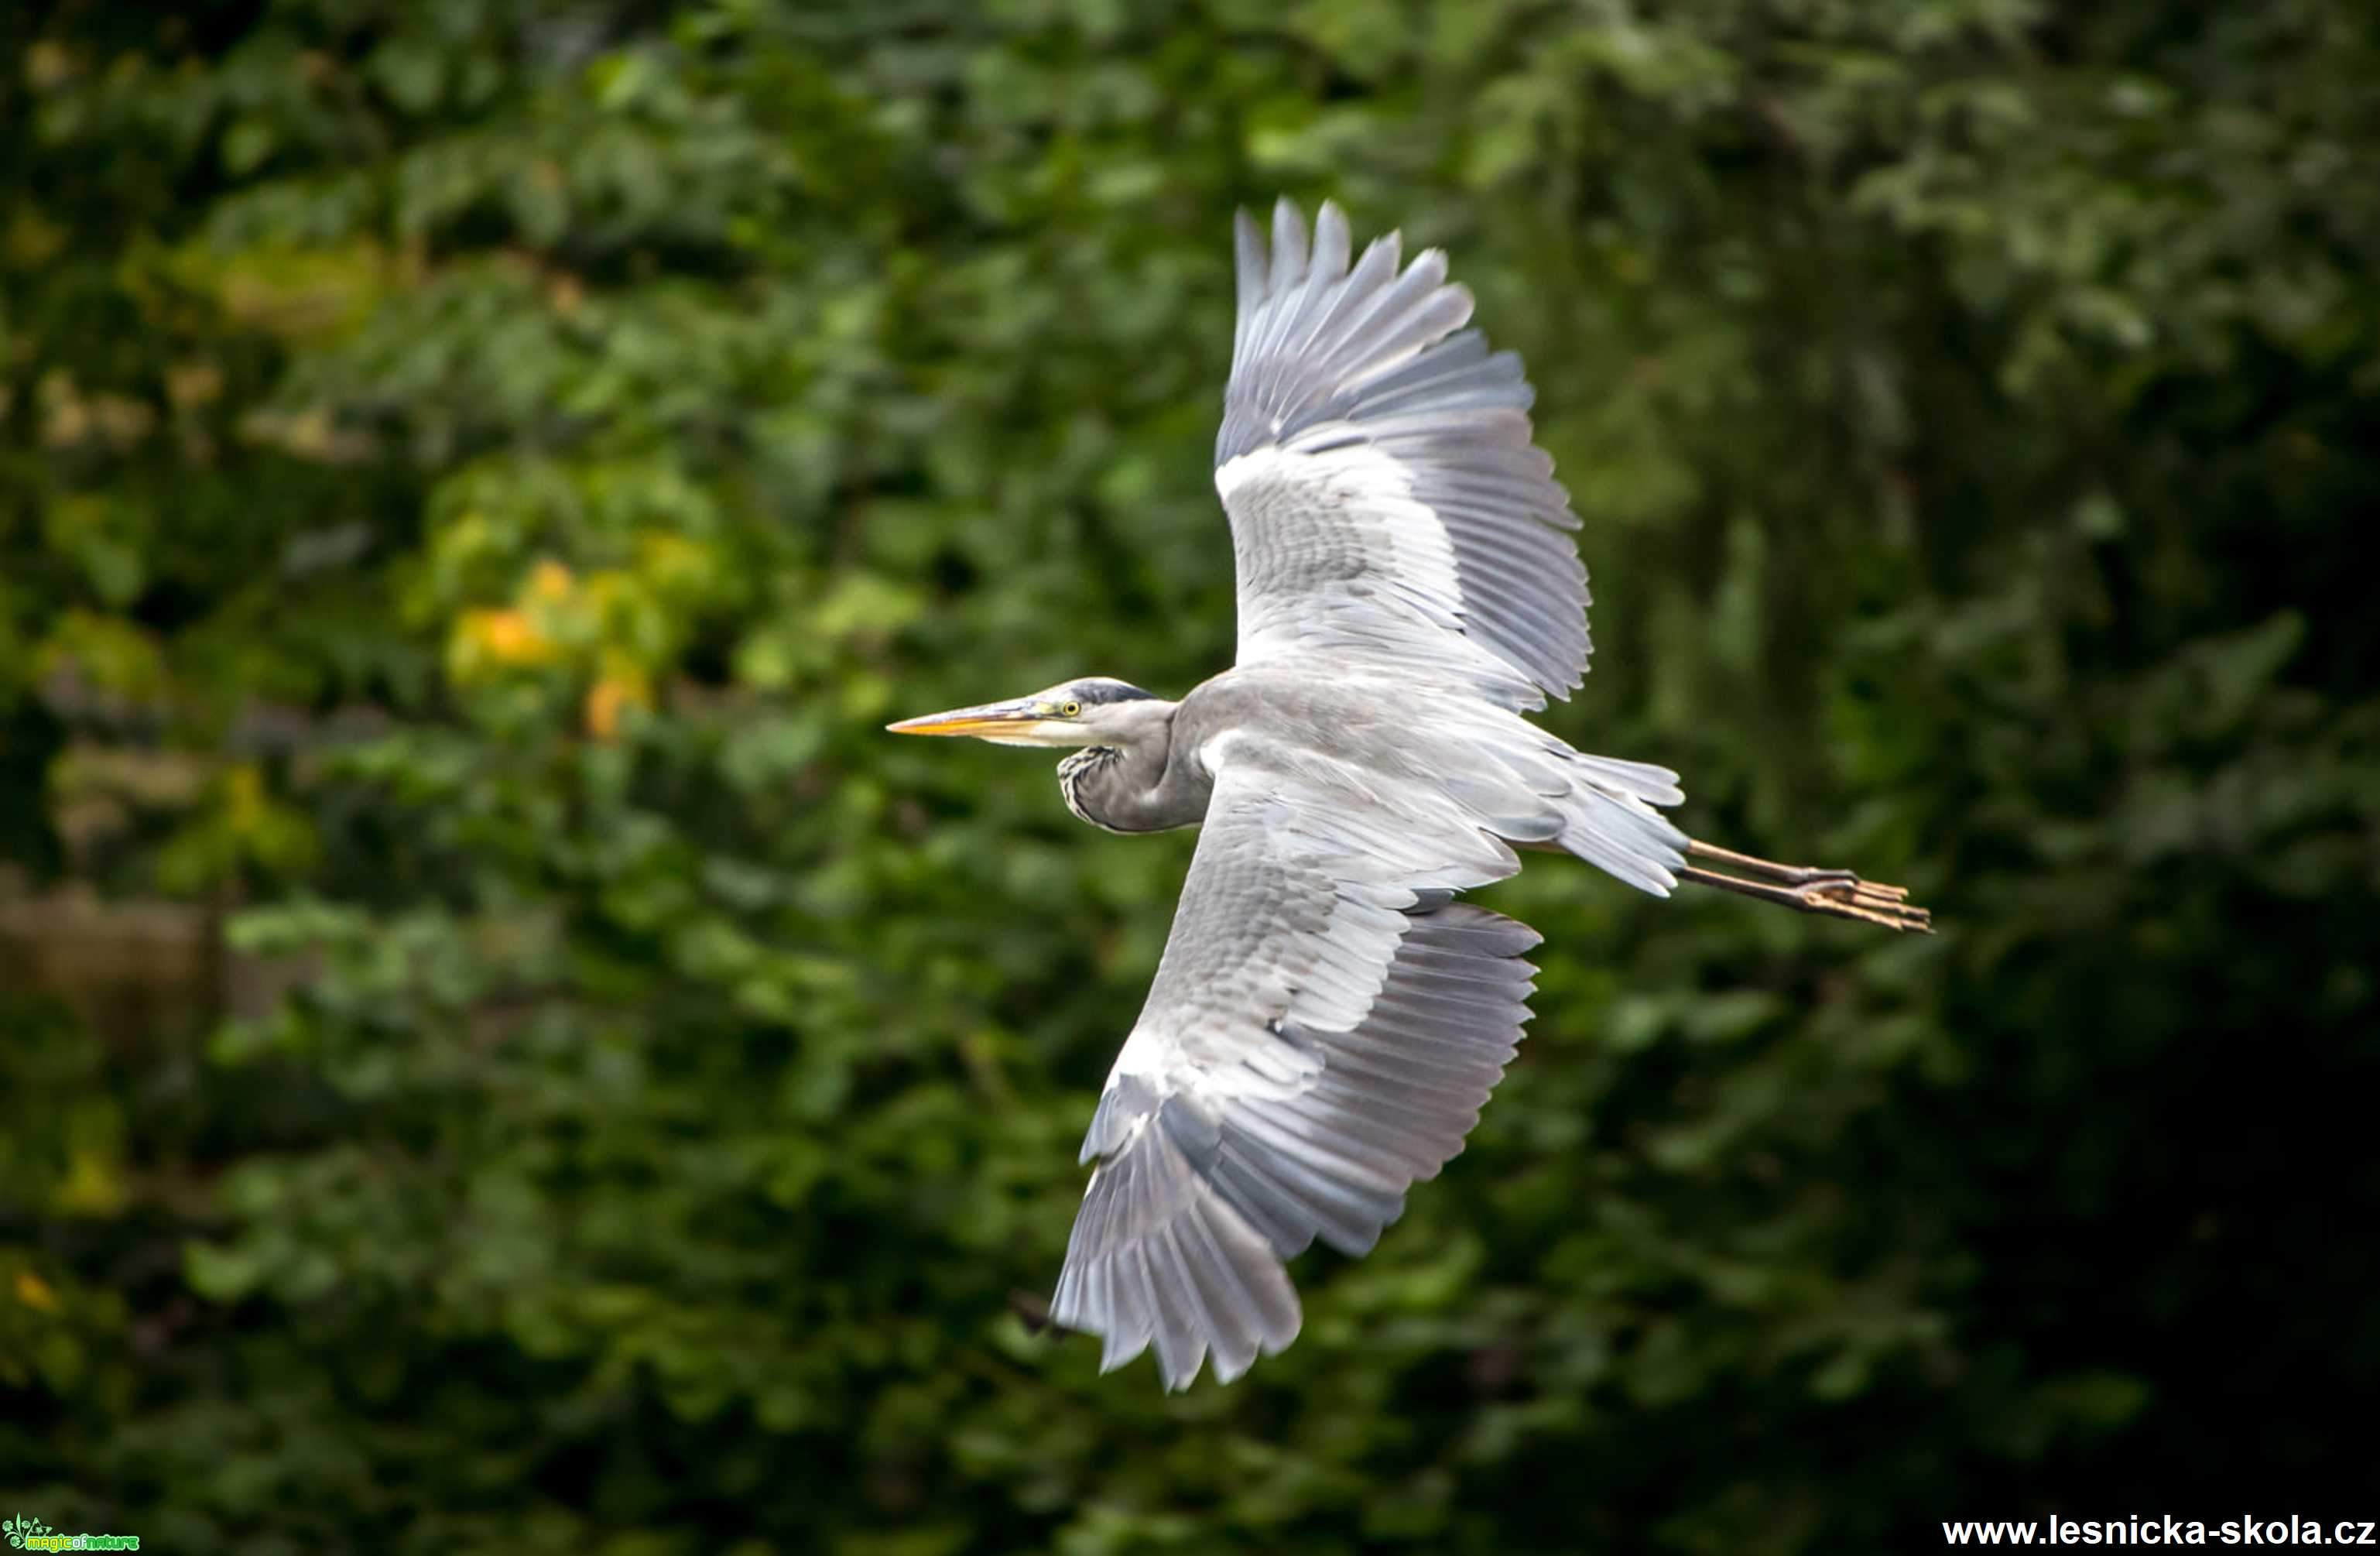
1322,1032
1386,501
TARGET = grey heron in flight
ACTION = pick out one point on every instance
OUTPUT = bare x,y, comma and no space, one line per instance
1327,1019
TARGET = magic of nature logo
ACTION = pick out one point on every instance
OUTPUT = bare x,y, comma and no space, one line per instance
31,1534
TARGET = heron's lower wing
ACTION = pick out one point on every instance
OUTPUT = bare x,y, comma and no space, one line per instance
1387,502
1321,1033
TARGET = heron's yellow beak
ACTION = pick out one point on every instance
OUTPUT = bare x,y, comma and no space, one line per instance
992,718
992,721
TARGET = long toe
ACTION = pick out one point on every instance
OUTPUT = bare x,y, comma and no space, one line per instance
1869,903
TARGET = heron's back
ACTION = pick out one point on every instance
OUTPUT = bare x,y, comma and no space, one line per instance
1405,746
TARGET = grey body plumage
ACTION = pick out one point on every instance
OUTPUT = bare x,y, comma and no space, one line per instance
1327,1020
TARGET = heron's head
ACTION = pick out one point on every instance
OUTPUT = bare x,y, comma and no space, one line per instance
1092,710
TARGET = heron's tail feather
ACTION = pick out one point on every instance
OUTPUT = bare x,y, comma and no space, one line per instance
1609,821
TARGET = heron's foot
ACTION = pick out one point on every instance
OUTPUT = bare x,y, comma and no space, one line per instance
1837,893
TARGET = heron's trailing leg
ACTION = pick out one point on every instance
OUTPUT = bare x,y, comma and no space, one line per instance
1839,893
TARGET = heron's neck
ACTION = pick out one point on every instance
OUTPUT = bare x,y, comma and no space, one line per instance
1143,785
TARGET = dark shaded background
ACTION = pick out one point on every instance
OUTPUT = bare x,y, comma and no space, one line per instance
499,1053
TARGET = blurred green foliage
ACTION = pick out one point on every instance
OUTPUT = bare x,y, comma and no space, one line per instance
474,477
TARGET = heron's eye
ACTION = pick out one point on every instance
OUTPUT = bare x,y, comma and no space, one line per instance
1069,710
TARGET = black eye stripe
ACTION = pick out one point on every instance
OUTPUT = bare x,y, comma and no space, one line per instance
1098,695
